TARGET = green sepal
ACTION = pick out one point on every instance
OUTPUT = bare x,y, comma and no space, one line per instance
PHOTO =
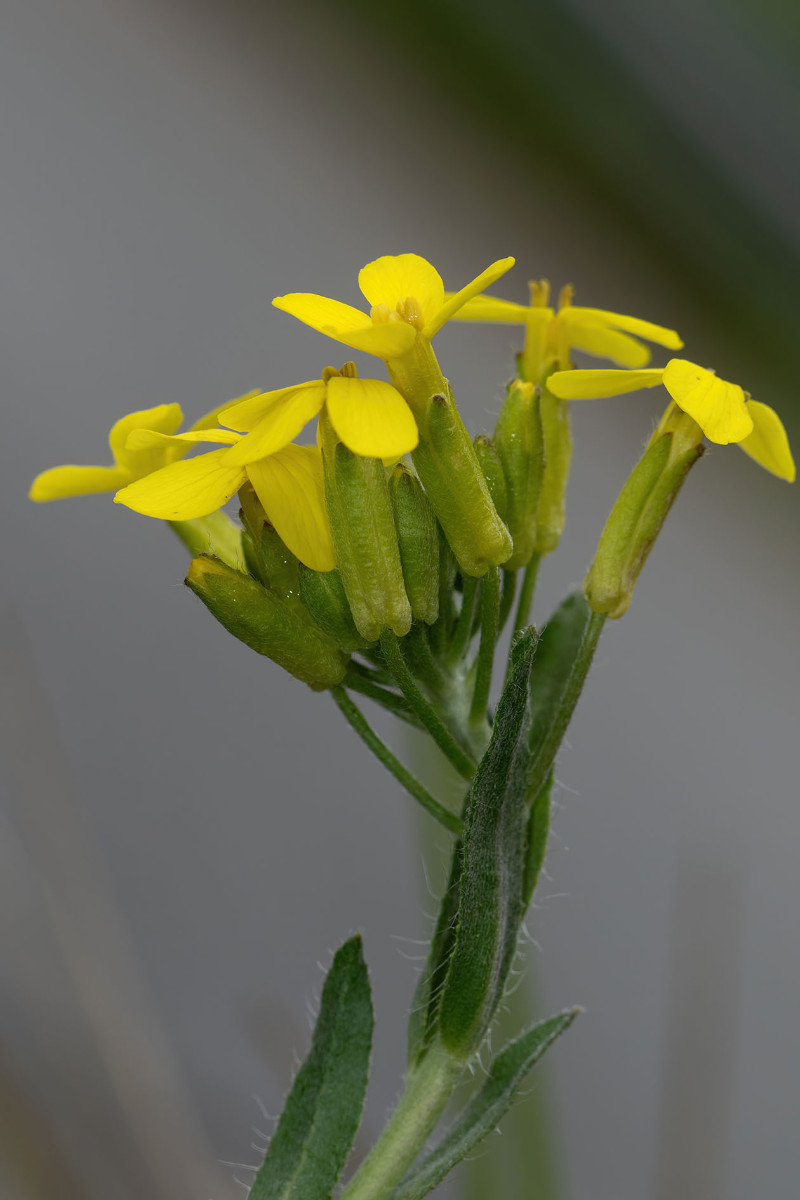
492,467
418,540
267,624
550,515
320,1120
323,595
520,445
215,534
486,1108
422,1021
536,840
268,559
492,874
364,537
635,521
451,475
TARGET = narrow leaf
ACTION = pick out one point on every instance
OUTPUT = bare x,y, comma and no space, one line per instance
428,992
486,1108
538,832
319,1122
490,901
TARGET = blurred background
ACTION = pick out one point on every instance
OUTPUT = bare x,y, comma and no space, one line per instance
186,832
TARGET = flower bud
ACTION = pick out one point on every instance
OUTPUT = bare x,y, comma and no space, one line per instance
268,559
364,537
266,623
520,445
638,514
451,475
323,595
492,468
557,459
418,540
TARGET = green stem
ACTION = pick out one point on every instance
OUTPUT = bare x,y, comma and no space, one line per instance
428,1090
490,608
426,713
460,639
540,767
382,752
526,593
506,598
388,700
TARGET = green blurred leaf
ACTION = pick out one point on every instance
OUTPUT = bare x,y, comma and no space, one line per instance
490,902
486,1108
538,832
323,1111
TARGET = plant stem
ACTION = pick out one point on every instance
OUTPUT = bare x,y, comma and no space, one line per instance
506,598
526,593
490,608
382,752
426,713
395,704
460,639
428,1090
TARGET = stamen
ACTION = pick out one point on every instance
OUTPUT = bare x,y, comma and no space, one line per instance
566,296
379,314
349,371
540,292
410,311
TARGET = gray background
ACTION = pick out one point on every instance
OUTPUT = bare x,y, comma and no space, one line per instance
187,832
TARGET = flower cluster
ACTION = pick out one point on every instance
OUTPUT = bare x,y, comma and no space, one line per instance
350,505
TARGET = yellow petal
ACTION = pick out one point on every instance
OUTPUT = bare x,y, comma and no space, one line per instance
371,417
593,385
246,413
501,312
144,439
291,488
210,419
457,301
635,325
281,422
392,279
718,407
166,418
60,482
768,443
607,343
348,325
184,490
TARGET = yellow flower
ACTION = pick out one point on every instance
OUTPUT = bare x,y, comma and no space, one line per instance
406,297
289,484
552,335
369,416
724,412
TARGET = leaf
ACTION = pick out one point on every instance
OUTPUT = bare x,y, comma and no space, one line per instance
486,1108
492,873
428,992
322,1113
538,831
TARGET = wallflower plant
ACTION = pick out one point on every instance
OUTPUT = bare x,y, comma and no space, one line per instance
381,560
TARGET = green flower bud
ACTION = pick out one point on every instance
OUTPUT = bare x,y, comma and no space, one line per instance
638,514
557,459
266,623
364,537
418,540
323,595
451,475
268,559
520,445
492,468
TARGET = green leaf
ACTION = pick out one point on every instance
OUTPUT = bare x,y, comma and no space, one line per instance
486,1108
322,1114
538,831
428,993
492,872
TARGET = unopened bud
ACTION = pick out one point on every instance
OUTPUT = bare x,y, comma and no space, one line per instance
638,514
418,540
268,559
364,538
520,444
323,595
557,458
492,468
266,623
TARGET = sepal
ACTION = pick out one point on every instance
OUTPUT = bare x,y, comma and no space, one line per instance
520,445
418,540
323,595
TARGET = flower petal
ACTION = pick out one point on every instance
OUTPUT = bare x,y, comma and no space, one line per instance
594,385
291,487
607,343
635,325
184,490
371,417
246,413
60,482
210,419
718,407
459,299
348,325
280,423
392,279
768,443
490,308
164,417
144,439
